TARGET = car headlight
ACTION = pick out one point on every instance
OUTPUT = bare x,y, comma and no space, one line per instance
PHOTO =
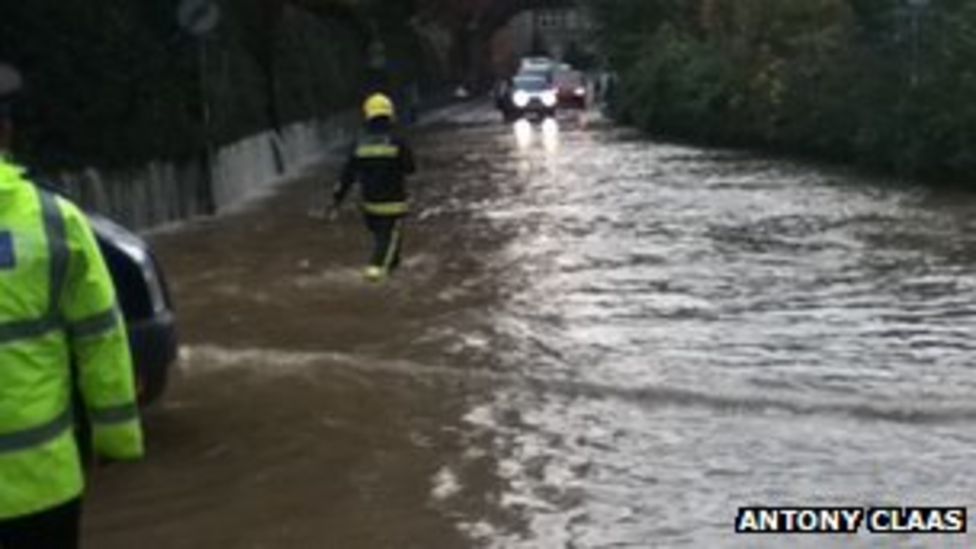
581,91
521,99
549,99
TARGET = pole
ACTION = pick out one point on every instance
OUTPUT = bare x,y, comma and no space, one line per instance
917,7
199,18
915,46
206,114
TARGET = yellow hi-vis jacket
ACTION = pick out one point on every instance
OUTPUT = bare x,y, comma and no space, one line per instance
57,305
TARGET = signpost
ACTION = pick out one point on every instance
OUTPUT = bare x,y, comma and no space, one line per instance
376,53
917,7
199,18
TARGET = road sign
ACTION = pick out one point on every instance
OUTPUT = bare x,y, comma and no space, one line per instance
377,54
198,17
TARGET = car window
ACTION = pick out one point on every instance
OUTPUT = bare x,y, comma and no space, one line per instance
543,74
537,62
531,83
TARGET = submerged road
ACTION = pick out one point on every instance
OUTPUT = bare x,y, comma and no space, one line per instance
595,341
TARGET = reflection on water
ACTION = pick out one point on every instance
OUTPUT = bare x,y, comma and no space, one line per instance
545,132
704,330
550,134
524,133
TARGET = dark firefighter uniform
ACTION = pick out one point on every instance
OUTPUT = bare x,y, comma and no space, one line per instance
57,308
380,163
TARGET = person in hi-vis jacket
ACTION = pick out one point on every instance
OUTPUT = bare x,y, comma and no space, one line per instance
60,330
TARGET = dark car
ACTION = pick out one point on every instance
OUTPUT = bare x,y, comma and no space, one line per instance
144,299
145,302
530,96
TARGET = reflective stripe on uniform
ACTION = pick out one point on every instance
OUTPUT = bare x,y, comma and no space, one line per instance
36,436
377,151
12,332
115,414
57,245
386,208
391,251
94,325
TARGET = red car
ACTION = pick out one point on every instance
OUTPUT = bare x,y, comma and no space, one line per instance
571,89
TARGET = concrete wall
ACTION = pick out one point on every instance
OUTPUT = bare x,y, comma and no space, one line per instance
250,167
165,192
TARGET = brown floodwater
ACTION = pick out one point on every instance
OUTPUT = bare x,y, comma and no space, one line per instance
595,341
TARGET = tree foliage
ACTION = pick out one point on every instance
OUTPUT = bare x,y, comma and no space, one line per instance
116,83
865,80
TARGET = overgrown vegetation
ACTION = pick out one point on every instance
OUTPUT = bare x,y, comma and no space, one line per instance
874,81
116,83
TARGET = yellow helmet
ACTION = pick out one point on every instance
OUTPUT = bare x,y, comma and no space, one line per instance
378,105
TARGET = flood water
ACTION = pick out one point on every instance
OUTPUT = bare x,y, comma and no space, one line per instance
595,341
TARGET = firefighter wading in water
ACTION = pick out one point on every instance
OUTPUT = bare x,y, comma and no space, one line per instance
380,163
57,309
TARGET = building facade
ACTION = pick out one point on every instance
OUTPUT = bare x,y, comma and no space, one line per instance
556,32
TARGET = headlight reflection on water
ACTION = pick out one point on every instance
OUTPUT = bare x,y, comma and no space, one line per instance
550,134
525,133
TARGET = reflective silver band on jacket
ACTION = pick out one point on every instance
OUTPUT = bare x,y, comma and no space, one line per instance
114,414
35,436
94,325
57,246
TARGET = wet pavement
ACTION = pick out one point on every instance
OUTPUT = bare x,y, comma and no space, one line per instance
595,341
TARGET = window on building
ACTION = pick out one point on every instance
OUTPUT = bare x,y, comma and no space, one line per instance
551,19
559,19
545,19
